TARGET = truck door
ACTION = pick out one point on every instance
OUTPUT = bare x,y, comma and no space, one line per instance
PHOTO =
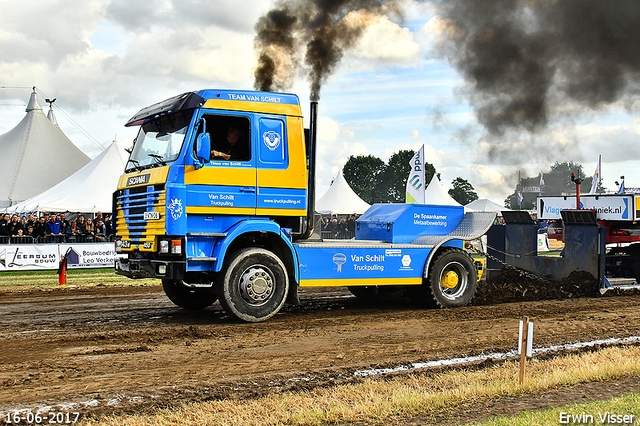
281,162
227,184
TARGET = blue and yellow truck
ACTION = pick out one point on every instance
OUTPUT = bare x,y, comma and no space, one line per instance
217,201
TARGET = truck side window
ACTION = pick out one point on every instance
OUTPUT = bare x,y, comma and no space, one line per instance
230,137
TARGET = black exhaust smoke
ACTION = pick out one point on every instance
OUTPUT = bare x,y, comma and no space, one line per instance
526,59
322,29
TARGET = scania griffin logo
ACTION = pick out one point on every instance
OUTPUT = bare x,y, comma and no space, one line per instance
271,140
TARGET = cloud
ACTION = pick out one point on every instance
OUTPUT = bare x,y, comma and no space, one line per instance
386,43
333,152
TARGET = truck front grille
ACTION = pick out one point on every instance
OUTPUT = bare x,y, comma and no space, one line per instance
132,204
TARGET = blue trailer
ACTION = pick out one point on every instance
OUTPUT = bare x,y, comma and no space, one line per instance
217,200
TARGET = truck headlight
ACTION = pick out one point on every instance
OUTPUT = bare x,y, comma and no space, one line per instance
164,246
118,246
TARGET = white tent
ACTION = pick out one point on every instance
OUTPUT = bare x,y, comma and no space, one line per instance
88,190
436,194
340,199
36,155
485,205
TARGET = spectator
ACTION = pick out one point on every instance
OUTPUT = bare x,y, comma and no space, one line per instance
41,228
54,228
29,231
109,225
333,227
98,216
100,231
63,225
4,225
18,238
65,222
15,226
31,222
351,225
73,231
81,222
88,230
341,229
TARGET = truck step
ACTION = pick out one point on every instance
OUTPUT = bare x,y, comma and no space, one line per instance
202,259
206,234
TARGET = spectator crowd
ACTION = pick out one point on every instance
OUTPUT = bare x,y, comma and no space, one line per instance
55,228
343,228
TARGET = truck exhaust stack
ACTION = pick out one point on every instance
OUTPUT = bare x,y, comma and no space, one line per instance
311,159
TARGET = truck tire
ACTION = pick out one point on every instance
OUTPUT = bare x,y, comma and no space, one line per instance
188,298
453,278
254,285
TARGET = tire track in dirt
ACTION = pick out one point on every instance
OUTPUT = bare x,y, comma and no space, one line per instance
95,344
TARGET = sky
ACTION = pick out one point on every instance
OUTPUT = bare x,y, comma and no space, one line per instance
393,89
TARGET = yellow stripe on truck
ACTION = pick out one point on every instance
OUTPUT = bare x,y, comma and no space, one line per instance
360,282
261,107
232,176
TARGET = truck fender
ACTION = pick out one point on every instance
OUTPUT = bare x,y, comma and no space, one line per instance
436,250
247,226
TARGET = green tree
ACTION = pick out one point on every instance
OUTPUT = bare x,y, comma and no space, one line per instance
375,181
394,181
557,181
364,174
462,191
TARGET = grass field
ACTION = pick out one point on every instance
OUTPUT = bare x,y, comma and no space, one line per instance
622,410
404,397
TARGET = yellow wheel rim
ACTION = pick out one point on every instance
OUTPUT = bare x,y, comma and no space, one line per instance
449,279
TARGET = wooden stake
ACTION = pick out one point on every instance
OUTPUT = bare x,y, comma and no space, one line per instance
523,351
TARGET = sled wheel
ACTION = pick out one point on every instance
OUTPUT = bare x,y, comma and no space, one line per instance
254,285
453,279
188,298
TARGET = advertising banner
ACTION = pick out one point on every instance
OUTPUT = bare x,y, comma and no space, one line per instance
416,183
27,257
607,207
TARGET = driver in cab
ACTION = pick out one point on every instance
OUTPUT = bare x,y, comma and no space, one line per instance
231,150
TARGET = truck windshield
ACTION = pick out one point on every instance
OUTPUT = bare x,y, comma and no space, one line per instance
159,141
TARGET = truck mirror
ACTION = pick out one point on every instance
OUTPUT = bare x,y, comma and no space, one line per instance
203,148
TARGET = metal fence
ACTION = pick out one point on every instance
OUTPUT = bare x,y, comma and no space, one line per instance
336,235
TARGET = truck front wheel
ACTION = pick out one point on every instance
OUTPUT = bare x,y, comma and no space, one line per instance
254,285
453,279
188,298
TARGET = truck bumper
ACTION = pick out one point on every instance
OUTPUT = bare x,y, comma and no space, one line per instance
147,268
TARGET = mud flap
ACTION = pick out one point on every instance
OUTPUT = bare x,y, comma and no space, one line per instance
292,296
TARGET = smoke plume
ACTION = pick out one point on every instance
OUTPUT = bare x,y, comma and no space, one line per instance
523,59
319,30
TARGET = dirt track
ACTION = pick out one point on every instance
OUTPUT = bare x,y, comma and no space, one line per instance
129,348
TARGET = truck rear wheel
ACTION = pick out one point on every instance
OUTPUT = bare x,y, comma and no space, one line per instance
188,298
254,285
453,279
